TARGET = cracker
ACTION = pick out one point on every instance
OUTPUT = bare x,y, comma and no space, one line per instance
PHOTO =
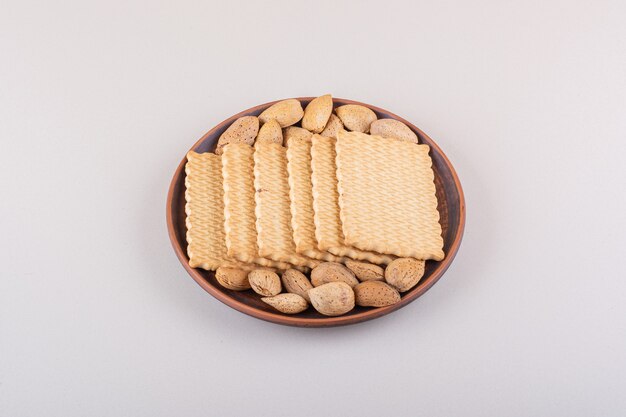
301,196
206,245
273,212
387,196
239,206
328,231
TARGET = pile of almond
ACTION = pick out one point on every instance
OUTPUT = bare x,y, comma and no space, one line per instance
334,289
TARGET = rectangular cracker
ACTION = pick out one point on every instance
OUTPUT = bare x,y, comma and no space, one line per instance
387,196
239,206
273,211
328,231
301,196
206,240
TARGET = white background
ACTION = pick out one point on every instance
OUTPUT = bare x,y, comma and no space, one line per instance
100,101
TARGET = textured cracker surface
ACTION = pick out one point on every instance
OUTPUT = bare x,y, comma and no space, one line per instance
387,196
239,206
206,245
301,196
273,211
328,230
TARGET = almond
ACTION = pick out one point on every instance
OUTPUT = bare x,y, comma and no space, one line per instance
332,299
286,112
297,283
243,130
355,117
365,271
333,127
264,282
332,272
287,303
294,132
317,113
270,132
232,278
404,273
391,128
375,294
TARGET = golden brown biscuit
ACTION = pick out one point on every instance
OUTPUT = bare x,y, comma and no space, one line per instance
206,245
387,196
273,212
328,231
239,206
301,196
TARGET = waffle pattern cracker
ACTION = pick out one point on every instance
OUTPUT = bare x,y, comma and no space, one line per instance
273,211
239,206
328,230
206,244
301,196
387,196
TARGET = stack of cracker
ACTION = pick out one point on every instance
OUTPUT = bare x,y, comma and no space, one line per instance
349,196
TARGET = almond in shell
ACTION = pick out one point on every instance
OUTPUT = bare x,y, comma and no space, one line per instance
375,294
243,130
365,271
317,113
294,132
332,299
296,282
391,128
404,273
286,112
264,282
270,132
355,117
232,278
332,272
287,303
333,127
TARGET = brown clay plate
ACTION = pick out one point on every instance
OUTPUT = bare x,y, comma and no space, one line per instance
451,208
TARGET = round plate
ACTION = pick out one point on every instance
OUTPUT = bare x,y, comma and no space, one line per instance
451,209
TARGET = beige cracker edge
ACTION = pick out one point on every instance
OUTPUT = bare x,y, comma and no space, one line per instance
239,206
393,208
273,211
301,196
328,232
204,208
